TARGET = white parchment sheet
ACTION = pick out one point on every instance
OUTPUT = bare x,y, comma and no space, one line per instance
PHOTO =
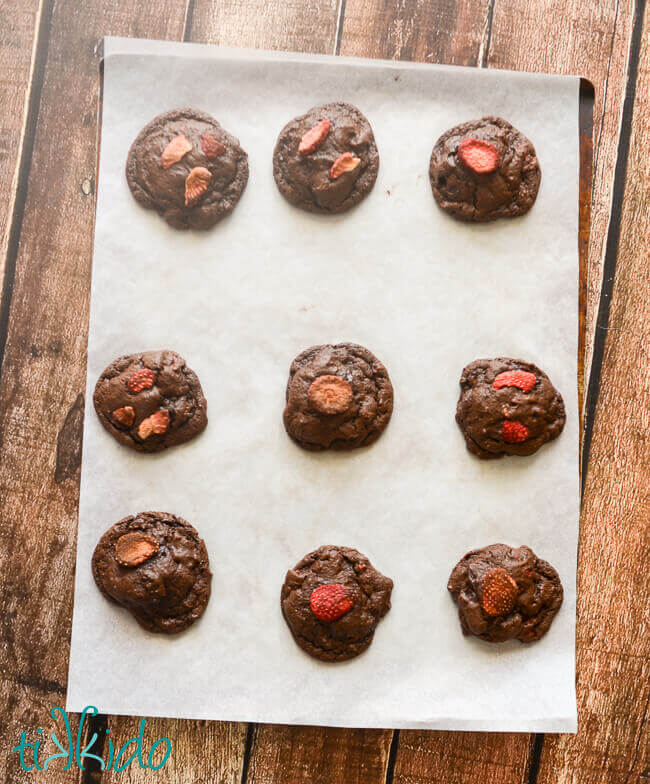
427,295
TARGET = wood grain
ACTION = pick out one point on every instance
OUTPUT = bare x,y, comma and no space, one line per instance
460,757
19,21
613,743
202,751
292,25
318,755
442,32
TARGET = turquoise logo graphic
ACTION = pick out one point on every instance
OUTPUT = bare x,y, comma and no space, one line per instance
71,749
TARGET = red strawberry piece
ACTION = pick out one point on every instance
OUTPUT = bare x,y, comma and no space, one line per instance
314,137
344,163
178,147
514,432
515,378
212,148
141,380
124,416
156,424
498,592
479,156
330,602
196,185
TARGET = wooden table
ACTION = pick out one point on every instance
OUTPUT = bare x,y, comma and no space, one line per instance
49,77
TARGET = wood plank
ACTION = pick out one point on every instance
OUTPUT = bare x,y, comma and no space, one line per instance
292,25
613,743
202,751
460,757
441,32
318,755
19,22
590,39
41,393
458,34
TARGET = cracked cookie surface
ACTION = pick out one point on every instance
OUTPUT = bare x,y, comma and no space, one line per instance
367,593
150,401
157,176
339,396
507,407
505,593
156,566
505,191
306,180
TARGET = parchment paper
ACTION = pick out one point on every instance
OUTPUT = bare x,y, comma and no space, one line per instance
426,294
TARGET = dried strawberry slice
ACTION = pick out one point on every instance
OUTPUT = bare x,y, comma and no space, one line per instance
330,602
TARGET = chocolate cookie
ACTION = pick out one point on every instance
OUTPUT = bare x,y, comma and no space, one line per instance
156,566
504,593
333,600
150,401
185,166
483,170
326,160
338,397
507,407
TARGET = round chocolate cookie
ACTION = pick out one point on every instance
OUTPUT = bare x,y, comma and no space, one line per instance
483,170
333,600
185,166
507,407
326,160
156,566
504,593
338,397
150,401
